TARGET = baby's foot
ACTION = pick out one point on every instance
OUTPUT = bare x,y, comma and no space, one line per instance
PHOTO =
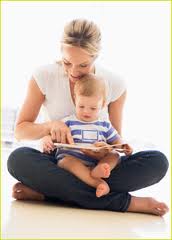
102,170
147,205
22,192
102,189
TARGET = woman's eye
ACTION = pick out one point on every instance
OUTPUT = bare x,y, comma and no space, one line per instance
66,63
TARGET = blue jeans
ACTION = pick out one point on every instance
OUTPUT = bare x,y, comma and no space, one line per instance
39,171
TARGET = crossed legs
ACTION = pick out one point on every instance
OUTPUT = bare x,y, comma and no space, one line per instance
23,165
92,177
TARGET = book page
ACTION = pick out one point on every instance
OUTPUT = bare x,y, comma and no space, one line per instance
89,146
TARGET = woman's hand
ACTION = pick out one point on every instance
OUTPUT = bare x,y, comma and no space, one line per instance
100,154
47,144
60,132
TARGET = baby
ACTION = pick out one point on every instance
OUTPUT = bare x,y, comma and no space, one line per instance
90,94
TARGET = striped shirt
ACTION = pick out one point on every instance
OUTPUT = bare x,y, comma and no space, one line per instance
87,132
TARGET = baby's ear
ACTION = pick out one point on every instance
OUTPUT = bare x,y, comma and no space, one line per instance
74,96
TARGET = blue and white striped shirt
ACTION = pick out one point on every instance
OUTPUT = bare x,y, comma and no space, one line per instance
87,132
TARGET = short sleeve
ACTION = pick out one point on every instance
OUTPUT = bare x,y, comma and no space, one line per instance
111,134
115,84
117,87
41,77
66,120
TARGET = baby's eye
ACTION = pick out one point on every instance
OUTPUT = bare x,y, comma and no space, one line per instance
83,65
93,108
81,106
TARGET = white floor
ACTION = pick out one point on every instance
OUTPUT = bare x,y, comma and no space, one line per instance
25,219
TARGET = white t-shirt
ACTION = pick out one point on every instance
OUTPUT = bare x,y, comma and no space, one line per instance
54,84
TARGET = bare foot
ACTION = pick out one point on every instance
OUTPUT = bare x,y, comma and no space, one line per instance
102,170
22,192
102,189
147,205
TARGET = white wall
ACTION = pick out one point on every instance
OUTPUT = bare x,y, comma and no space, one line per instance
136,45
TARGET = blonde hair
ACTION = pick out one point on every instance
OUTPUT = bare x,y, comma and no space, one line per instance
82,33
91,85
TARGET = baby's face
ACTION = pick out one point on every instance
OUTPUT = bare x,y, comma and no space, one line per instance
88,108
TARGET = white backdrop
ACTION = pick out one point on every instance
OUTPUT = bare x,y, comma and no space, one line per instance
136,45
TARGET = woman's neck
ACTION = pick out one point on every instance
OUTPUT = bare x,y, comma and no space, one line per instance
72,84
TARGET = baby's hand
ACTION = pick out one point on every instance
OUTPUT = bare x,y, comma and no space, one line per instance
127,149
47,144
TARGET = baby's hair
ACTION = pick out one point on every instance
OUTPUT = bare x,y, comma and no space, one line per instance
91,85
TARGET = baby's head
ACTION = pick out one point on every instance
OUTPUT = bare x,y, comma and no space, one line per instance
90,97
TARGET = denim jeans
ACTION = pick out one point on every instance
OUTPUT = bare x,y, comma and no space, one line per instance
39,171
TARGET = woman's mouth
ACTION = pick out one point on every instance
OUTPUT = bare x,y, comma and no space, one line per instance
75,77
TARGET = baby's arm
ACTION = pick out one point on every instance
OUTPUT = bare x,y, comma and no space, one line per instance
47,144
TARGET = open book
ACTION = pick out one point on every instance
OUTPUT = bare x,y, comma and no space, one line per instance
117,147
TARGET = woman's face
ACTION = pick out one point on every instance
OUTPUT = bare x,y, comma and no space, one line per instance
76,62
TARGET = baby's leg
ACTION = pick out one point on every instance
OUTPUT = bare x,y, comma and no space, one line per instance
77,167
105,165
147,205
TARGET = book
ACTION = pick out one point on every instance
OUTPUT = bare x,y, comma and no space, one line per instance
87,146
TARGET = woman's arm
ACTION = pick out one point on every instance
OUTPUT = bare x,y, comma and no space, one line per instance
115,112
27,129
25,126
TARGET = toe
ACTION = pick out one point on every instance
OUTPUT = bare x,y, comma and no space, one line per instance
159,212
100,190
161,208
17,195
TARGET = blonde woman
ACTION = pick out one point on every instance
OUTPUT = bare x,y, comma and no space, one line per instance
52,86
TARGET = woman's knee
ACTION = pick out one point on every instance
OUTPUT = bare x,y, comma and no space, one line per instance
16,160
160,163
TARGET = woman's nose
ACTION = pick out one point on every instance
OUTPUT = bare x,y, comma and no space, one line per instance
74,71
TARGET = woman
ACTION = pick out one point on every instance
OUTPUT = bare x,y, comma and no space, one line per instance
52,86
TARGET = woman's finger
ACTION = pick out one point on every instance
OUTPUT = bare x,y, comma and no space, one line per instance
70,138
45,149
58,136
50,146
53,135
63,137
